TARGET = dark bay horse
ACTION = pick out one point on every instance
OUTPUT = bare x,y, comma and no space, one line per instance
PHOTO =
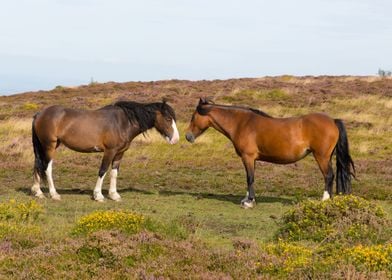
258,136
109,130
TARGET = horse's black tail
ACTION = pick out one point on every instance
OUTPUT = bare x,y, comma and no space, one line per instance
344,162
41,162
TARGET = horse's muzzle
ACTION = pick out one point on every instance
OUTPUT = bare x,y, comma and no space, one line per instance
176,136
189,137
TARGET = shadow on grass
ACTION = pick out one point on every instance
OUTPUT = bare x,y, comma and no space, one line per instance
236,199
76,191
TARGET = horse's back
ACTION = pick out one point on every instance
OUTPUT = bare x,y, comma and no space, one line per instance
82,130
318,122
58,113
286,140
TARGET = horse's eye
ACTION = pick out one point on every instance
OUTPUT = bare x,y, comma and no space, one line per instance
168,119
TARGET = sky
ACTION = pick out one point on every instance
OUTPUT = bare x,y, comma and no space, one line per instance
45,43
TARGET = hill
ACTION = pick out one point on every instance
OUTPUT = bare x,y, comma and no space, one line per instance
189,195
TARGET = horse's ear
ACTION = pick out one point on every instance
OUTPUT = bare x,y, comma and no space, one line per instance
164,101
205,100
209,100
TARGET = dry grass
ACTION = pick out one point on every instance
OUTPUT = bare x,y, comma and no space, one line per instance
194,190
15,140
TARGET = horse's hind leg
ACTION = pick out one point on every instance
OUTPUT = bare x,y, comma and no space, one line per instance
325,165
113,194
107,159
36,188
50,154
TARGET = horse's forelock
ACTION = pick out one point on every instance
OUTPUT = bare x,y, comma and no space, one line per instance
167,110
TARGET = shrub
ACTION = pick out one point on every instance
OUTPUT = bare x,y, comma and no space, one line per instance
22,212
17,218
283,258
123,221
30,106
373,258
348,219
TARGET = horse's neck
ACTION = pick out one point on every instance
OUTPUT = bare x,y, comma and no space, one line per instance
224,120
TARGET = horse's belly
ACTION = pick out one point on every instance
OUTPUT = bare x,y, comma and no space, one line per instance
284,156
82,143
84,148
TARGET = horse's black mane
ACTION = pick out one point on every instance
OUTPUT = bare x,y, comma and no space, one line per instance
144,114
204,111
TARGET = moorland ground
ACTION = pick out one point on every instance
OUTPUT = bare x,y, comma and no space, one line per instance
192,190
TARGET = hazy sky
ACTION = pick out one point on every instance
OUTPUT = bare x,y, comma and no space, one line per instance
44,43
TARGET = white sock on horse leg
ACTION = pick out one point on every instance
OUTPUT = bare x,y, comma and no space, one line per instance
98,189
245,198
113,194
36,188
326,196
52,190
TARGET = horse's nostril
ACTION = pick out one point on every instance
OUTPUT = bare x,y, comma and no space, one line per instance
189,136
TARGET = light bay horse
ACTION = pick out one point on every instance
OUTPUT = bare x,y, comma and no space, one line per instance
258,136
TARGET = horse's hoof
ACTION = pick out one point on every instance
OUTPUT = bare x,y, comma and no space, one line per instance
40,195
115,196
244,200
248,204
56,197
97,196
99,199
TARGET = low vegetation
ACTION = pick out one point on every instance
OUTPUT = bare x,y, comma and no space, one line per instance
179,216
344,219
109,220
119,242
19,218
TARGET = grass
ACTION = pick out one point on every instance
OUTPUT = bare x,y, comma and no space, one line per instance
189,192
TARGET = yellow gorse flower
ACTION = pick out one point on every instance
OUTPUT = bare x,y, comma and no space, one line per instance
291,256
109,220
17,217
374,258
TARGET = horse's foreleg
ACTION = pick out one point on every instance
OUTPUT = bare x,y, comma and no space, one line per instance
107,159
249,163
113,194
